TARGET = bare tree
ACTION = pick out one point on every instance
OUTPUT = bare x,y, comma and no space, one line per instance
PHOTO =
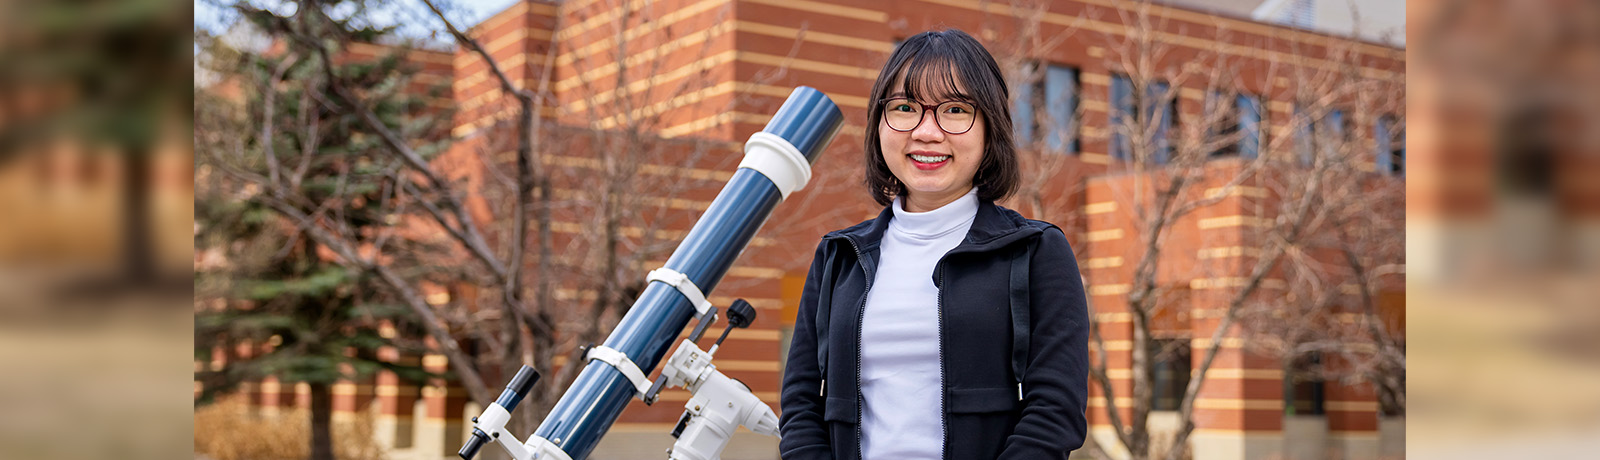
1049,117
625,191
597,196
1176,133
1329,325
526,332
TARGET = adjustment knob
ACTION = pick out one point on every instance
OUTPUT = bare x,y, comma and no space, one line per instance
741,314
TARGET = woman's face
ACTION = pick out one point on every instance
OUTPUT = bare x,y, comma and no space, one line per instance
936,167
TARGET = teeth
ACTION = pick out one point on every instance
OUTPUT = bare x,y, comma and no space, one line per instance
929,159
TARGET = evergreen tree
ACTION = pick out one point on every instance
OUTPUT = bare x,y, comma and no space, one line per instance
309,319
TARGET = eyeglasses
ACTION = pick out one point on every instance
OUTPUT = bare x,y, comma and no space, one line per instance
954,117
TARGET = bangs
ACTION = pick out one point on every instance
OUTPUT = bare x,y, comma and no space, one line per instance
932,79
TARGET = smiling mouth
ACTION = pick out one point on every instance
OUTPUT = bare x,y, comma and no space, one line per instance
929,159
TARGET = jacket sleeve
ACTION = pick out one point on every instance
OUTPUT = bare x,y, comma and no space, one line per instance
804,432
1055,387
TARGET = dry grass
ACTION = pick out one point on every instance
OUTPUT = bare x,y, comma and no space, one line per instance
229,430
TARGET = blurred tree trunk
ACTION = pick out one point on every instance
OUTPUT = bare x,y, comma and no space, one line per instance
321,421
138,264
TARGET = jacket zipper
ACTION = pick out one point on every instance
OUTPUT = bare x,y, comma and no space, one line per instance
944,394
860,313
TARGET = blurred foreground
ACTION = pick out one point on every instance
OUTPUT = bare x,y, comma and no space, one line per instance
1503,224
230,430
95,230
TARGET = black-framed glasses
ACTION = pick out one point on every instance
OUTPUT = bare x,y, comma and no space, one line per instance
954,117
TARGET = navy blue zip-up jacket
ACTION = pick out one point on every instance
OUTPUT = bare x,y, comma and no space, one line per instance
983,415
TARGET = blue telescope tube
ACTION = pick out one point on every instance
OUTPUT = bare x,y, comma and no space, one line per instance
807,121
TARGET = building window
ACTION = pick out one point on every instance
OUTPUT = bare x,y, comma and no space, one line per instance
1322,136
1303,388
1249,124
1155,118
1045,112
1302,135
1121,108
1170,376
1024,124
1391,146
1061,104
1237,120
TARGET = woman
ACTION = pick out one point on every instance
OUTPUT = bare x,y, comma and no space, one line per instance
947,327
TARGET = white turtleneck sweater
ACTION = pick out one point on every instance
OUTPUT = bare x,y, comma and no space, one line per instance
901,384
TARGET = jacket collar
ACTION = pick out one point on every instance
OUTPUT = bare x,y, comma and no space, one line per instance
994,227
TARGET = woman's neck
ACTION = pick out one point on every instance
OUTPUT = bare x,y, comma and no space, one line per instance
923,202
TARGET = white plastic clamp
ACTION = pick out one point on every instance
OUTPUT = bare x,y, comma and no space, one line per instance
543,449
621,362
681,281
774,157
493,421
494,418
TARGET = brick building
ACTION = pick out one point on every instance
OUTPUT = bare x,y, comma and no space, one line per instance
714,70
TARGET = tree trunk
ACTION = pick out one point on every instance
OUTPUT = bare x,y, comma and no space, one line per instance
1140,379
138,265
321,421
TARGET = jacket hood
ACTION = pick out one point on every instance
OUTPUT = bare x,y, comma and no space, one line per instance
994,227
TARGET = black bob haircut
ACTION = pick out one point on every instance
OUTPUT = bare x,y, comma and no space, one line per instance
932,62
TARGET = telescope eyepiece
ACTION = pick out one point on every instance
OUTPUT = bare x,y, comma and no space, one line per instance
470,449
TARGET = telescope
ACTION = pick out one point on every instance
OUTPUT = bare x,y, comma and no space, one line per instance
777,161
